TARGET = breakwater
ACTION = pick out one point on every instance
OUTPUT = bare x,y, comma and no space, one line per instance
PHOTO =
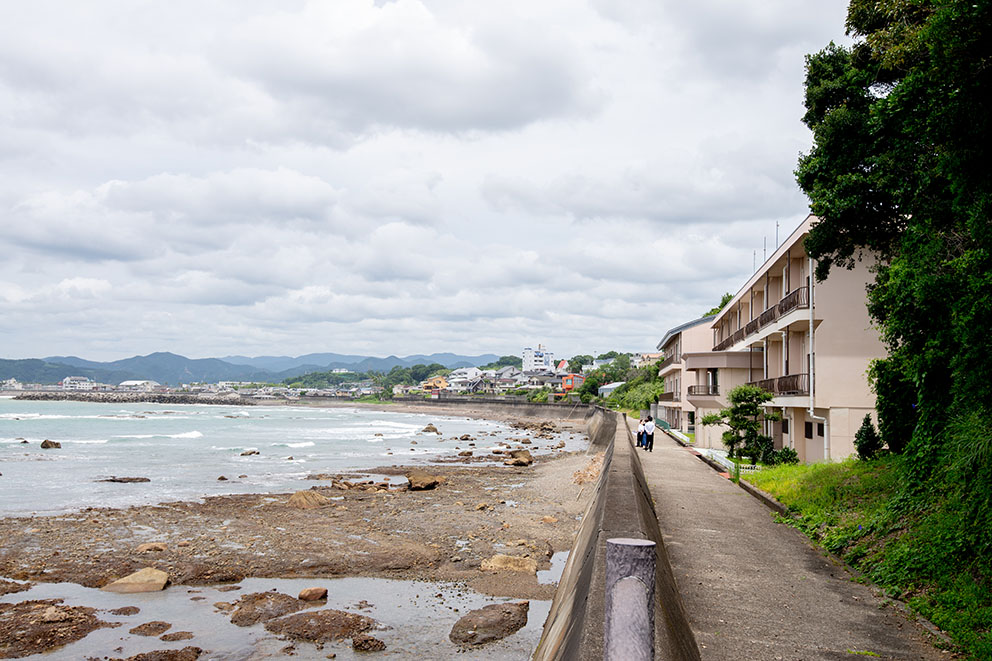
135,398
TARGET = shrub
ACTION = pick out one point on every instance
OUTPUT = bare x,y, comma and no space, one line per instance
867,441
786,456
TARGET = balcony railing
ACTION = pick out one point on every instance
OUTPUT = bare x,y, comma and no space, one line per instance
768,316
669,397
797,300
703,391
668,361
792,384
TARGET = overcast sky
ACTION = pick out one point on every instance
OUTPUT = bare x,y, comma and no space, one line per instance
253,177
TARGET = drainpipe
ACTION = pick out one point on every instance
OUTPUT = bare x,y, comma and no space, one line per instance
812,380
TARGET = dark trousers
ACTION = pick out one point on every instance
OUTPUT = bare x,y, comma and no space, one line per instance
649,442
640,438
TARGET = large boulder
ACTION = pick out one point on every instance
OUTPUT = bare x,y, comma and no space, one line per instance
501,562
263,606
321,626
422,481
430,429
307,500
148,579
313,594
48,445
489,623
519,458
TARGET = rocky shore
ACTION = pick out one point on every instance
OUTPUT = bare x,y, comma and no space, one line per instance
489,527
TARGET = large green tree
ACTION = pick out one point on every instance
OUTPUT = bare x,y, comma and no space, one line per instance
900,169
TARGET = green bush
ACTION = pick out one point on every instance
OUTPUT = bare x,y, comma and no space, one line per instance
867,441
786,456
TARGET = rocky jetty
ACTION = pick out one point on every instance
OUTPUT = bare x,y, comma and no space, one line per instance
135,397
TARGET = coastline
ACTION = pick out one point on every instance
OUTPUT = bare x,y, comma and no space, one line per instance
439,535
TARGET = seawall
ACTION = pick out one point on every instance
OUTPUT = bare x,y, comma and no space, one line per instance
620,506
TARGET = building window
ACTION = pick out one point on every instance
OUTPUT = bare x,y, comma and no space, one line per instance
785,425
809,430
819,429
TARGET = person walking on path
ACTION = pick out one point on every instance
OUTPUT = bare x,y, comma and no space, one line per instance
640,433
649,434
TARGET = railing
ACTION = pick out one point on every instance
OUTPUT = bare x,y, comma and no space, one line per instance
704,390
791,384
669,397
799,299
668,361
768,316
795,300
765,384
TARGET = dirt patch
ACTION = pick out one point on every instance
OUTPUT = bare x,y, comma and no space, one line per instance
321,626
33,627
9,587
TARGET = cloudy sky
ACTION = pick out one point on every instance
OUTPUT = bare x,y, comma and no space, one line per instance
375,177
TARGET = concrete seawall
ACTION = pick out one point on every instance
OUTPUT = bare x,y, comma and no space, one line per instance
620,506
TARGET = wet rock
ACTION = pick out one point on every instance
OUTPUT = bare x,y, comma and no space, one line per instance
48,445
148,579
125,610
430,429
501,562
366,643
466,437
489,623
33,627
176,635
222,479
152,546
263,606
155,628
9,587
519,458
125,480
321,626
465,453
312,594
307,500
421,481
185,654
248,453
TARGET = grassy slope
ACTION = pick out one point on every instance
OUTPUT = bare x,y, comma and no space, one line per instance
921,553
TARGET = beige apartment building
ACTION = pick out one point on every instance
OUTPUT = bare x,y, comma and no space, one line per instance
674,407
808,343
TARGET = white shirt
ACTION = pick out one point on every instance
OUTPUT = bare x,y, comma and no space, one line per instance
640,428
649,427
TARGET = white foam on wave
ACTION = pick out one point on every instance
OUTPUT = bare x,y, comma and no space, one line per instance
188,434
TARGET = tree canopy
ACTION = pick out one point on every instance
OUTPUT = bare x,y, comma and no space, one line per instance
723,303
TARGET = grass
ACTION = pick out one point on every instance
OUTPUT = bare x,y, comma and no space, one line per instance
919,548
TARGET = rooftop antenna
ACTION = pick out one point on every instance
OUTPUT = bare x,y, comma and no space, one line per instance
764,249
776,234
754,260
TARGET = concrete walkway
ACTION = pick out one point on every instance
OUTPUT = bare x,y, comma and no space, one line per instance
755,589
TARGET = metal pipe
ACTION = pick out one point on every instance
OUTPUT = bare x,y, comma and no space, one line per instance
812,363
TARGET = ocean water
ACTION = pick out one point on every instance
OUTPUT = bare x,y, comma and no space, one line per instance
183,449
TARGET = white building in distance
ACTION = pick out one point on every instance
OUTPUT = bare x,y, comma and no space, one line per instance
538,360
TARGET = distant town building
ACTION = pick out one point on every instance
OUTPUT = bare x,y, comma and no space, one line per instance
11,384
77,383
538,360
607,390
139,385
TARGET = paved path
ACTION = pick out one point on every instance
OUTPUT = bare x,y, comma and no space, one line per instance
754,589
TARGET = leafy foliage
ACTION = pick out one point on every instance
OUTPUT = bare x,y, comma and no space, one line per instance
575,363
866,440
723,303
899,169
504,361
743,418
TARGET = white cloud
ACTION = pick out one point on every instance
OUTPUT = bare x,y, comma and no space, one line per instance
390,177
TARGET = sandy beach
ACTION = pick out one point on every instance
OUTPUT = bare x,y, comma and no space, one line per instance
365,525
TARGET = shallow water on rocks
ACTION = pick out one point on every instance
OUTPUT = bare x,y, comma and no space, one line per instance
416,617
184,450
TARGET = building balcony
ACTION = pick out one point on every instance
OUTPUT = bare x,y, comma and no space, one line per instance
791,384
669,397
798,299
668,363
704,391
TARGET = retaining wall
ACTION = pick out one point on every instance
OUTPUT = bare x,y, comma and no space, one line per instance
620,506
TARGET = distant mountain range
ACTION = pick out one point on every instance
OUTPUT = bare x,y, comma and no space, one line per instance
172,369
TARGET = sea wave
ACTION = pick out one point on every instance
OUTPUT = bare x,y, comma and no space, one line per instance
302,444
188,434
